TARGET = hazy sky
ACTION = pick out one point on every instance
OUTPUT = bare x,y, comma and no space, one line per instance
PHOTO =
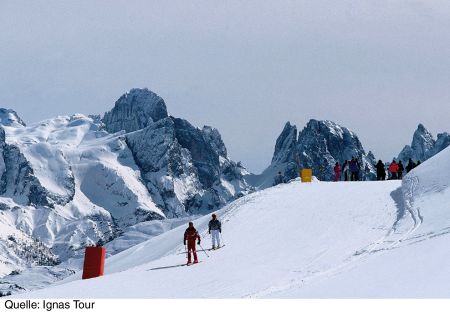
244,67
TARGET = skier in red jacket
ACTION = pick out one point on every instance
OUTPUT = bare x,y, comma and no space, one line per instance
191,235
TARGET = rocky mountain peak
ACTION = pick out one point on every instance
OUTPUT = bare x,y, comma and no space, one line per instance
423,141
213,137
285,146
135,110
319,146
423,145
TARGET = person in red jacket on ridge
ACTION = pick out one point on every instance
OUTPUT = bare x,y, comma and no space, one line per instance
393,169
337,172
191,235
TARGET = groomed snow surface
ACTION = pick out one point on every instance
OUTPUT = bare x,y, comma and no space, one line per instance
320,240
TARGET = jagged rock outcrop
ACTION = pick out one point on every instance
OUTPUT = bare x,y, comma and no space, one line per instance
135,110
423,145
318,146
186,169
214,139
442,142
166,167
285,156
204,155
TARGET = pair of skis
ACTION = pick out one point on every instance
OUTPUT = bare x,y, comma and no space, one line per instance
185,264
217,248
211,249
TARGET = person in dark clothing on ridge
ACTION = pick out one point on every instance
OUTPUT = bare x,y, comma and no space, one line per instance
400,170
215,228
190,236
367,173
381,173
278,179
354,169
410,166
345,170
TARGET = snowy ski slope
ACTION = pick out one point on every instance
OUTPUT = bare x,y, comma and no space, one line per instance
321,240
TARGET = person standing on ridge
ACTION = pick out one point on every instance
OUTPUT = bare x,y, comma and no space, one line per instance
393,169
358,170
345,170
214,228
381,173
400,170
354,169
367,173
410,166
278,179
190,236
337,172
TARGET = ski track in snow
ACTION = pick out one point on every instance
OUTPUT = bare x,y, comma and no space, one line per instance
390,241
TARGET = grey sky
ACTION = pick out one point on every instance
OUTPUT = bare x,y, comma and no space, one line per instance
244,67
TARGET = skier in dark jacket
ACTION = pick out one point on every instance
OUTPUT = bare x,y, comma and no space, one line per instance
400,170
214,228
190,236
381,173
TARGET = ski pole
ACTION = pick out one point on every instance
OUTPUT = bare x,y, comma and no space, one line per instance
203,250
187,253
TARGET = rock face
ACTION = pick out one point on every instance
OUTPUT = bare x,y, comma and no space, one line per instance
318,146
185,169
423,145
286,151
135,110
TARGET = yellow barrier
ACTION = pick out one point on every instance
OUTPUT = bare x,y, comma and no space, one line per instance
306,175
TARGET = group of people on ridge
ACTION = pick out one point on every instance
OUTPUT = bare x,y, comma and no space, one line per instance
350,170
191,236
395,169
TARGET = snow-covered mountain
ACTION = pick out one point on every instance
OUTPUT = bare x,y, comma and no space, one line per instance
185,169
318,146
423,145
136,173
386,239
73,181
65,183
